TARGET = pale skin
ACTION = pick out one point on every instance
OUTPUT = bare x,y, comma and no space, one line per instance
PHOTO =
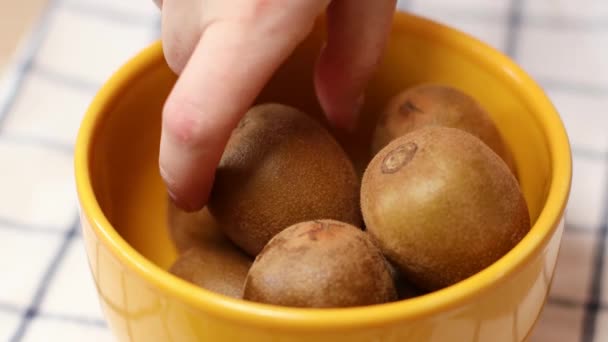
225,51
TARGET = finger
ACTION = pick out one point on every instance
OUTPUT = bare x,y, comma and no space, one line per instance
357,32
230,65
181,31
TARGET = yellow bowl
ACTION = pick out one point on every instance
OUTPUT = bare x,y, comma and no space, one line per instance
122,203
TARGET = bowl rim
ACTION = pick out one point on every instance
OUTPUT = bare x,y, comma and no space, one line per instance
263,315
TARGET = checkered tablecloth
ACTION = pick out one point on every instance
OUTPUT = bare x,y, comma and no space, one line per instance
46,291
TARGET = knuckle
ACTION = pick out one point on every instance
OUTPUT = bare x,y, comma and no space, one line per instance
182,120
263,7
176,52
179,41
275,17
171,53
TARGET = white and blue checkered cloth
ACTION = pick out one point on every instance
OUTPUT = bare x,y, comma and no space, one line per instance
46,291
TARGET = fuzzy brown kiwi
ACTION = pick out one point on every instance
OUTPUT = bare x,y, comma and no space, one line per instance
322,263
442,205
430,104
281,167
188,229
219,267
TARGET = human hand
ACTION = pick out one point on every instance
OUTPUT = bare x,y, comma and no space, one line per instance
224,53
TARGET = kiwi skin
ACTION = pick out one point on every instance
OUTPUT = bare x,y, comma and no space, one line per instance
430,104
320,264
189,229
219,267
207,258
281,167
442,206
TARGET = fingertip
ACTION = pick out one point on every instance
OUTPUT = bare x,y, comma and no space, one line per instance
340,99
189,201
183,197
185,204
357,33
181,168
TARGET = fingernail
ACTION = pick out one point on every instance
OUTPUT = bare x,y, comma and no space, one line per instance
174,201
166,157
168,184
182,203
163,157
358,107
185,190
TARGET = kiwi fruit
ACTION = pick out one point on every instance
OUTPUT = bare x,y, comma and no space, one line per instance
442,205
281,167
207,258
322,263
434,104
189,229
219,267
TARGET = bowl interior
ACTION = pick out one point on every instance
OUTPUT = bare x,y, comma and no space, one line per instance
124,146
